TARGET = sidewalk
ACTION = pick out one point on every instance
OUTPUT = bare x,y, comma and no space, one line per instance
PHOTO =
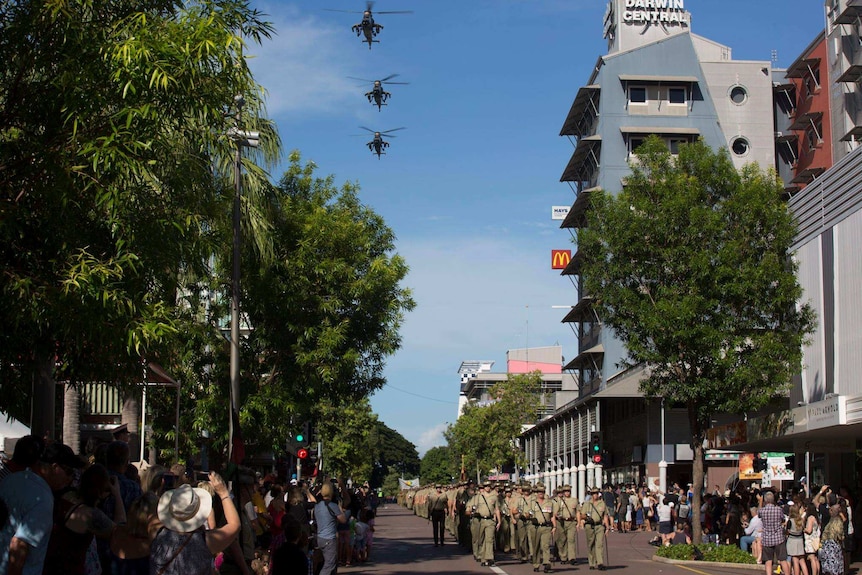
403,544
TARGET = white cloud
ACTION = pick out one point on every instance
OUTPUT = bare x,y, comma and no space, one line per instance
431,438
304,67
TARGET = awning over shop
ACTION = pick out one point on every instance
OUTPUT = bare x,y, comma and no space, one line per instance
574,266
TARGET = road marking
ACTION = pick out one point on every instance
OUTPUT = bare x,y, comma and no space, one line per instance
498,571
692,569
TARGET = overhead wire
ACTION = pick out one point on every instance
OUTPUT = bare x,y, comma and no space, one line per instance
418,395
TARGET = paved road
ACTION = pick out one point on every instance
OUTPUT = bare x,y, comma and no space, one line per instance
403,544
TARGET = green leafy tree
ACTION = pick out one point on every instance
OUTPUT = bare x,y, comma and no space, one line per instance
485,435
325,305
347,434
391,486
689,266
392,451
438,466
114,152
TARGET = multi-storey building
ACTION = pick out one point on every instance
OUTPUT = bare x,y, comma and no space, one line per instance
556,388
659,78
821,100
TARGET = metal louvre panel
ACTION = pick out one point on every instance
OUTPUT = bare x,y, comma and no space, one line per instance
813,371
848,312
830,199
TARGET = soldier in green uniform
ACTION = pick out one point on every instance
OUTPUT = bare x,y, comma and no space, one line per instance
506,534
438,508
475,525
488,510
542,515
566,513
464,513
519,507
594,516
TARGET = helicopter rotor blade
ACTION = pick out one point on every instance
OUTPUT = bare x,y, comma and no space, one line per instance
396,83
386,79
360,79
396,12
345,11
369,4
393,130
368,129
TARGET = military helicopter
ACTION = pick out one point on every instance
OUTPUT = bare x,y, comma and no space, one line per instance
378,96
377,145
368,26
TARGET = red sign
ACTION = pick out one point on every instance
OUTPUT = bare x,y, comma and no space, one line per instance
560,259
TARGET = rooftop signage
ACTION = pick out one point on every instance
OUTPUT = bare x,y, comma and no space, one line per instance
663,13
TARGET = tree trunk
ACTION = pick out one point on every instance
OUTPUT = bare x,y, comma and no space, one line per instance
697,489
72,417
43,406
697,438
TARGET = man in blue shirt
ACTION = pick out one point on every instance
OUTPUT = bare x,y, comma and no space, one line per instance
327,515
29,498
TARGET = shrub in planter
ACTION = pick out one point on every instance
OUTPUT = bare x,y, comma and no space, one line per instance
706,552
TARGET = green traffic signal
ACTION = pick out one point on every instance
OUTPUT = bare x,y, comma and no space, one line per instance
300,438
596,447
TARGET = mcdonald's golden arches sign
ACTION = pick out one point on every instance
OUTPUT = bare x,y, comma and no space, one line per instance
560,259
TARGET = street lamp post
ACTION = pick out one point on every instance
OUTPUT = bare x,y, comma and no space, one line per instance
242,140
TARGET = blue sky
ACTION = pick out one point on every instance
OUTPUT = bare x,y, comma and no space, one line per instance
468,186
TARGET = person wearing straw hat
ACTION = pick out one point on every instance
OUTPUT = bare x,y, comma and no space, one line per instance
181,545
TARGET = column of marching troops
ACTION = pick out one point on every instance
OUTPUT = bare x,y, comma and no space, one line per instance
520,519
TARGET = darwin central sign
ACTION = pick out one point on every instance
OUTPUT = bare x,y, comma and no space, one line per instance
661,12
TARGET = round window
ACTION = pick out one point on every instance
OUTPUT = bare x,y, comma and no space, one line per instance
738,95
740,146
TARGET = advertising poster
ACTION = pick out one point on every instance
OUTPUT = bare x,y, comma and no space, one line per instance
746,467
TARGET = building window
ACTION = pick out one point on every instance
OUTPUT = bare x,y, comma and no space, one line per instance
635,143
738,95
740,146
637,95
677,95
674,144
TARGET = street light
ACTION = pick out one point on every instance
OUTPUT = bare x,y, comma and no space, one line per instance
242,139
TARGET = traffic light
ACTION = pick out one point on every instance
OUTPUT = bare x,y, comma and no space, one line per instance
596,447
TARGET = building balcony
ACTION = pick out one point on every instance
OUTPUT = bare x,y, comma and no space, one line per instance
849,14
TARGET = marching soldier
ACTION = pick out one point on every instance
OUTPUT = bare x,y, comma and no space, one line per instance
438,507
519,508
464,515
594,516
488,510
566,513
475,526
506,532
542,514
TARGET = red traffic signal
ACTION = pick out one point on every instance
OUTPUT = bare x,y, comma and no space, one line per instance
597,458
302,453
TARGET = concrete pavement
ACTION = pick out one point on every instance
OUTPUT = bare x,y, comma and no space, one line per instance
403,544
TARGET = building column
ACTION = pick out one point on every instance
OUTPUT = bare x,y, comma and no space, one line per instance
591,475
598,477
582,482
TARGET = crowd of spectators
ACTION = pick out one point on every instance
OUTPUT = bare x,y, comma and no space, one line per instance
60,514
